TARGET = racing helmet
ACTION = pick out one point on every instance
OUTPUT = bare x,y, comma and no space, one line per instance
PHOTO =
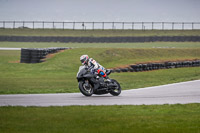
84,59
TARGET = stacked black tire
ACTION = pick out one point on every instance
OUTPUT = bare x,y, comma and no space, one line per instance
36,55
156,66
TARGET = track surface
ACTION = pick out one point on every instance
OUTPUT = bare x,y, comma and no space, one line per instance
185,92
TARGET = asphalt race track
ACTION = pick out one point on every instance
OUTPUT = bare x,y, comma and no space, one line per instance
182,93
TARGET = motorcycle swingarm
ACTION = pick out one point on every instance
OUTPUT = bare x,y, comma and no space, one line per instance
111,85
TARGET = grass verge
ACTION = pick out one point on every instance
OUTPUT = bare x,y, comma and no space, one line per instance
102,45
58,74
96,33
102,119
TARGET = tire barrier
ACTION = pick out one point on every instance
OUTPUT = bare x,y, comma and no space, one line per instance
36,55
157,66
100,39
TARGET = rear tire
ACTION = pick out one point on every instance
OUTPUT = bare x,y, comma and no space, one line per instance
85,90
117,90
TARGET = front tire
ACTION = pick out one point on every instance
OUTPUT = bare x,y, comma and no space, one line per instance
117,90
86,90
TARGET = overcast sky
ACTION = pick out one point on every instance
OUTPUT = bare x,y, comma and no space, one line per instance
101,10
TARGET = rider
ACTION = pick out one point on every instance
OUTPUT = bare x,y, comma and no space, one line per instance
93,66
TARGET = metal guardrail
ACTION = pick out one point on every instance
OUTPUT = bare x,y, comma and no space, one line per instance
131,39
101,25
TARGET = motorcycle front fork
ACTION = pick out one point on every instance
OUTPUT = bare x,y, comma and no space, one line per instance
87,83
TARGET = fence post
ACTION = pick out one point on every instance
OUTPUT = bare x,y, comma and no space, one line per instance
93,25
132,25
192,26
33,25
43,25
172,25
183,26
14,25
142,25
4,24
152,26
123,25
73,25
112,25
162,25
23,24
103,26
63,25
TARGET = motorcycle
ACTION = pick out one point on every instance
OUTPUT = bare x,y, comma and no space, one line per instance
90,83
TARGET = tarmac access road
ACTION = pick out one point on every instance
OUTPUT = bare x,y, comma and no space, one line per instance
177,93
10,48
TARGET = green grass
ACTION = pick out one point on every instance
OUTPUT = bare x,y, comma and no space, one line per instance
101,119
97,33
102,45
58,74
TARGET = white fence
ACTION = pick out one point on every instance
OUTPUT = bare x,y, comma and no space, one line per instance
101,25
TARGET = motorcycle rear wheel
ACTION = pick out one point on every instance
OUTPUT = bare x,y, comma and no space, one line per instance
85,90
117,90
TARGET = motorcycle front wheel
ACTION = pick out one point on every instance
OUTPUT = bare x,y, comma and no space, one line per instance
117,90
86,88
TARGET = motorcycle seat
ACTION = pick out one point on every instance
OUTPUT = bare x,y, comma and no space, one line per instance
108,72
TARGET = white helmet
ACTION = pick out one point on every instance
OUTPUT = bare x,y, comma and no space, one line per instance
84,59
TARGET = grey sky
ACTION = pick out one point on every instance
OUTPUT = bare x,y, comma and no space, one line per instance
101,10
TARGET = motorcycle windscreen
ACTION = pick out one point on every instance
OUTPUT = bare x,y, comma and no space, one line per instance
80,69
